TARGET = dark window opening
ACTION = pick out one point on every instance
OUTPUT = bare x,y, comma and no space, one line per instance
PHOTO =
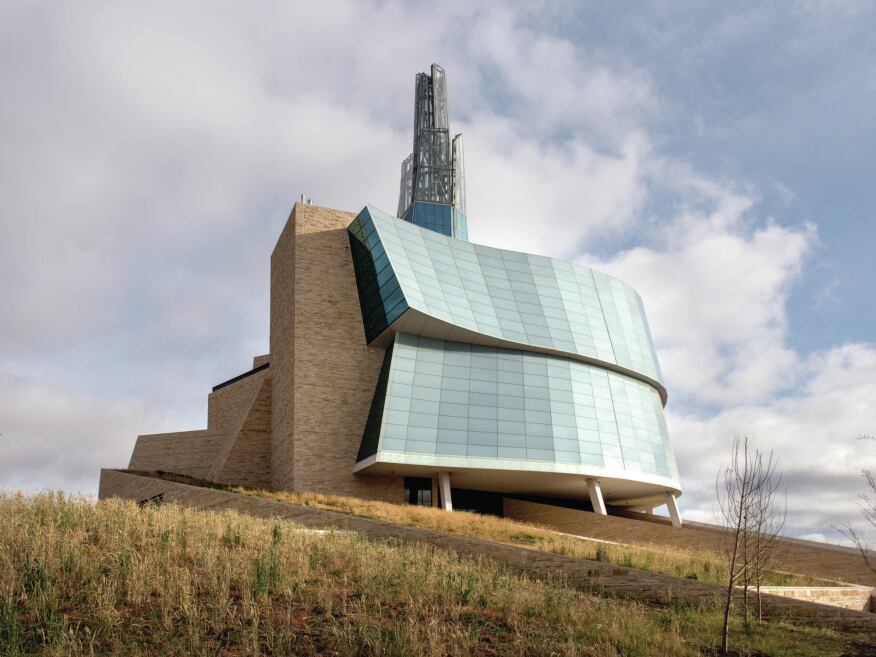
566,503
418,491
371,435
477,501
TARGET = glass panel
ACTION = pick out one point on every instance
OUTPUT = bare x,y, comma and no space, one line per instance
512,296
567,412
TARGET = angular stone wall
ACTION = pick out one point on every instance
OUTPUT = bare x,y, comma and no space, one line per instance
847,597
191,453
324,373
246,460
233,426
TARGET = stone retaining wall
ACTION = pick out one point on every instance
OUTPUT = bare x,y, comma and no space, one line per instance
848,597
804,557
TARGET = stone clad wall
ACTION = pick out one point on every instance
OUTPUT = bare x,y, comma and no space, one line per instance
228,406
202,454
857,597
191,453
282,337
324,373
247,461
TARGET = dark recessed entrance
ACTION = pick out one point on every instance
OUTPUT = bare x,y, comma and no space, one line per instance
418,491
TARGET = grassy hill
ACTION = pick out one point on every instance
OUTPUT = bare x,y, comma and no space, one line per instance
702,565
79,578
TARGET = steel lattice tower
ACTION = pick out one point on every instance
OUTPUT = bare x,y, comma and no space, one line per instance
432,193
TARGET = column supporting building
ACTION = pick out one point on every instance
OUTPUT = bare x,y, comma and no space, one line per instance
444,488
672,507
596,496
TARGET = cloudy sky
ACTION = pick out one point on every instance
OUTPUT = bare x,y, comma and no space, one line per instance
719,160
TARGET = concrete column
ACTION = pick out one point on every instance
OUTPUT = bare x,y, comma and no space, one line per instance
444,485
596,496
436,493
672,507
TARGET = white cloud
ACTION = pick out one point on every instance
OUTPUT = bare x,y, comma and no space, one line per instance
813,432
715,286
59,438
559,85
819,11
545,198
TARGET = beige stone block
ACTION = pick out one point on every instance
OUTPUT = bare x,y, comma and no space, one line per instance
323,370
247,462
296,425
186,452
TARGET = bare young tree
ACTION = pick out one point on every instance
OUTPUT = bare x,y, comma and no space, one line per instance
767,522
868,511
747,491
733,488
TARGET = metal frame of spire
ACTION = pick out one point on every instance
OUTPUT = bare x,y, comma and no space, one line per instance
434,172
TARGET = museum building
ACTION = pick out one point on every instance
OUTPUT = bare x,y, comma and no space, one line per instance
408,364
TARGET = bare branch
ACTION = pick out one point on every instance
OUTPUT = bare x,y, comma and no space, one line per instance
868,511
747,502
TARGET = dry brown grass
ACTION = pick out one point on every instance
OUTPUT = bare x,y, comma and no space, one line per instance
701,565
80,578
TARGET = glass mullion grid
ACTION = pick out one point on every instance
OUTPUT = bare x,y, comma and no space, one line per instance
559,305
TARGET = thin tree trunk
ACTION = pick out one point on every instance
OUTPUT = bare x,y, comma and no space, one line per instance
747,505
728,602
745,568
725,630
759,604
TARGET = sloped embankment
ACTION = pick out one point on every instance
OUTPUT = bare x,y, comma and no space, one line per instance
583,574
115,578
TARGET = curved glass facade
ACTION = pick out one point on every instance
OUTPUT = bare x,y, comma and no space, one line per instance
450,399
514,297
505,361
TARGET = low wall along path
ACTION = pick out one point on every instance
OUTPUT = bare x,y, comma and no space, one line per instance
822,560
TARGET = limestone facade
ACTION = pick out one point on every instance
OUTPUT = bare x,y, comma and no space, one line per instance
296,420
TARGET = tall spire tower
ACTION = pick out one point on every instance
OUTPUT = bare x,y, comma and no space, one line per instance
432,191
